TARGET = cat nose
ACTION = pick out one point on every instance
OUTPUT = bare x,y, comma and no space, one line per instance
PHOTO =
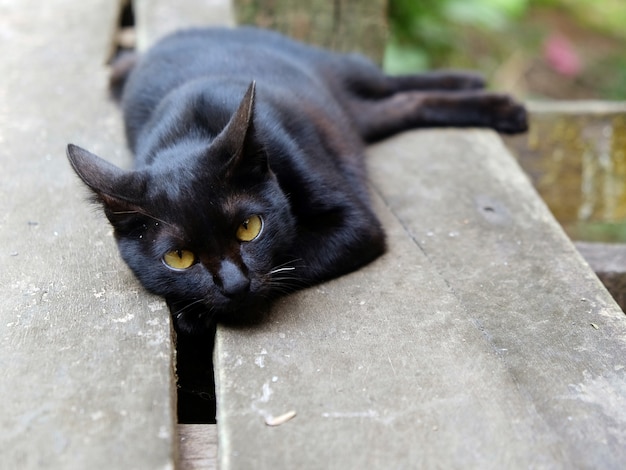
231,279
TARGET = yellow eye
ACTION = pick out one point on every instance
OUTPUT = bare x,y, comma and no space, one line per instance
179,259
250,228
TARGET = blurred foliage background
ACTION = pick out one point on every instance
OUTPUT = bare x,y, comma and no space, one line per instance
549,49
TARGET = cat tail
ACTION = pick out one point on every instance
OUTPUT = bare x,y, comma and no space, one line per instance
120,70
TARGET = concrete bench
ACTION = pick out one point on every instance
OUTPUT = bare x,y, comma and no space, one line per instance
482,339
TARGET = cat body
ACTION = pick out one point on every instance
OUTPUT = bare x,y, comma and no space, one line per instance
249,178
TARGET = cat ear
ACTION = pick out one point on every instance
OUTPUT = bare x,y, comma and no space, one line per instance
117,189
238,139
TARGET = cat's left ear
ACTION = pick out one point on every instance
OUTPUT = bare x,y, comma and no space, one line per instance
118,190
238,140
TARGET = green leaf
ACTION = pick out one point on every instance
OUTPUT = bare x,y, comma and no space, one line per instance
401,59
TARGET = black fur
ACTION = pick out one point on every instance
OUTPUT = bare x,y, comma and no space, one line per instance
229,123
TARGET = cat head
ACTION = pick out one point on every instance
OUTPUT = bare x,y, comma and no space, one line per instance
206,225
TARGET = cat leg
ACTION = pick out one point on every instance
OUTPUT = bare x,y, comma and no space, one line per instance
453,80
377,119
365,80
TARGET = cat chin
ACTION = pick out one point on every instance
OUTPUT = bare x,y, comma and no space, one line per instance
190,325
197,318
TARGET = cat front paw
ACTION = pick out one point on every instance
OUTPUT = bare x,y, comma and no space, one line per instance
507,115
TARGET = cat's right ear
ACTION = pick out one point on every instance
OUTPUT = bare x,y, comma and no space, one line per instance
117,189
238,140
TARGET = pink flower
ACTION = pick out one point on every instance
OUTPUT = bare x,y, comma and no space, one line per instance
561,56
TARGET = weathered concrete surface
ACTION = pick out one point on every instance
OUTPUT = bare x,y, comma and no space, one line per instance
469,345
84,353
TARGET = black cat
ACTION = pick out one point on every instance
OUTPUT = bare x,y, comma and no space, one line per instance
249,179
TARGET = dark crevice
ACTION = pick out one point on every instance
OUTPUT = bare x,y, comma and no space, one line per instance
195,382
127,15
124,38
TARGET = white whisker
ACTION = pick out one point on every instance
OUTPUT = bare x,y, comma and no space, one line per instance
180,312
274,271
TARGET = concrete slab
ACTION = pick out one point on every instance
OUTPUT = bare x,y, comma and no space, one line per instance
85,354
471,344
526,288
